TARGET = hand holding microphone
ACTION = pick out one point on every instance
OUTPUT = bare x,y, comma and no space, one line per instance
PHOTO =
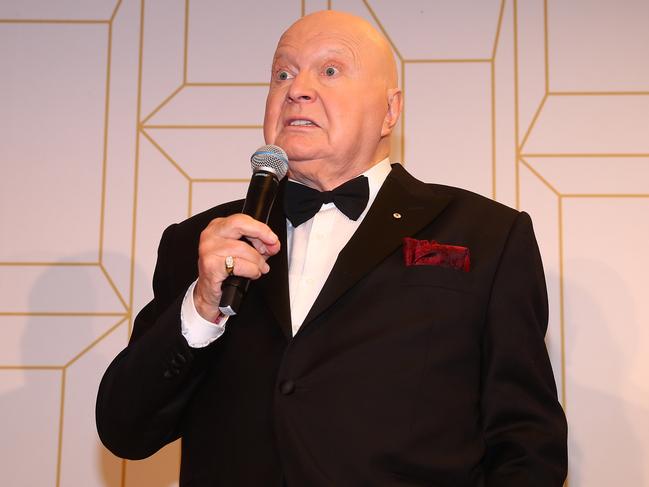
216,291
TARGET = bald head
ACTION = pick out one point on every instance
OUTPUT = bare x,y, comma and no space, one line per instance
333,99
375,48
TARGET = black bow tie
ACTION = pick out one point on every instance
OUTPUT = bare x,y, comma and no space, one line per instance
302,202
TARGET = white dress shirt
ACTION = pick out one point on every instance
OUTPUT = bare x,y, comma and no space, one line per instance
312,250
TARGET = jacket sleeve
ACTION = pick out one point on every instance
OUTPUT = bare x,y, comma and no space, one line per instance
525,427
145,389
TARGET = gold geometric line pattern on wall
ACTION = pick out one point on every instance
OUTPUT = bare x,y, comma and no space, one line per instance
562,309
136,164
176,104
166,100
111,283
517,177
561,197
549,96
554,190
31,367
63,313
63,382
76,355
219,180
546,49
185,41
92,344
226,83
405,61
540,177
448,60
122,316
403,113
493,113
166,156
54,21
115,10
605,195
598,93
190,194
95,271
585,154
59,448
63,368
532,123
175,92
196,126
63,22
499,25
104,156
494,51
50,264
521,160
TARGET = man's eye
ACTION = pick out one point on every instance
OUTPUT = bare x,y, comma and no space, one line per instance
283,75
331,71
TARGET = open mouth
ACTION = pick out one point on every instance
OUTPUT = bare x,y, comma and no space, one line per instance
301,122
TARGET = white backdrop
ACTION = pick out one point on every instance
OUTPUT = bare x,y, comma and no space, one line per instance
118,117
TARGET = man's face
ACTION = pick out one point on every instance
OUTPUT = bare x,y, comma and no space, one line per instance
327,102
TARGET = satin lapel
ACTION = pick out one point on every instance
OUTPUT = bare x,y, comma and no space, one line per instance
274,285
380,233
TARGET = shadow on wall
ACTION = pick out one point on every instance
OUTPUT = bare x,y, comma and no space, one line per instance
30,398
604,443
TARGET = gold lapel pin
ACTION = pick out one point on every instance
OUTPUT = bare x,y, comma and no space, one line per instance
396,215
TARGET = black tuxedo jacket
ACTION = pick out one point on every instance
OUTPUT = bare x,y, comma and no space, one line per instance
399,376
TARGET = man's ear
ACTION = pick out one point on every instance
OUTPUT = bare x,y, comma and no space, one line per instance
395,104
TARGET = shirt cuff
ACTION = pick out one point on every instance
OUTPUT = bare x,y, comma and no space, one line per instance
197,330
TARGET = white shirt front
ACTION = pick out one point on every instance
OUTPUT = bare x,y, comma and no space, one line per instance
312,250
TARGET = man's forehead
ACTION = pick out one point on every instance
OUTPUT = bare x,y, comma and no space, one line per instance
334,40
328,47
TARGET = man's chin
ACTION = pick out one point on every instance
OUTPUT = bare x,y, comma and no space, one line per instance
301,153
299,146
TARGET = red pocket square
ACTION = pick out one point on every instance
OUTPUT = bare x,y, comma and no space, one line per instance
430,252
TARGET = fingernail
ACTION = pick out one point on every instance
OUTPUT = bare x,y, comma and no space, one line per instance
266,268
263,249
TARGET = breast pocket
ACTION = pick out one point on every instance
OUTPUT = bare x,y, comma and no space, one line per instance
435,276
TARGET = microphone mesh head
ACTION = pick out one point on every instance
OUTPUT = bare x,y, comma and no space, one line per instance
270,158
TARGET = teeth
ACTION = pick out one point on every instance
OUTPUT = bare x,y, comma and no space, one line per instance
302,122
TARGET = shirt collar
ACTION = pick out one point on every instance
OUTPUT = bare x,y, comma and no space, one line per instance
376,176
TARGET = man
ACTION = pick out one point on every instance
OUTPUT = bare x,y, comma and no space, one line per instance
348,364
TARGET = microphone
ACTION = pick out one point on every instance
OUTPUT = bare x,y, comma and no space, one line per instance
269,165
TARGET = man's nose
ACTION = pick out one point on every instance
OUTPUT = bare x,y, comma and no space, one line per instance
302,89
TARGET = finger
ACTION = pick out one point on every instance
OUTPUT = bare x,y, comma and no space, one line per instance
265,250
240,225
240,249
212,256
245,268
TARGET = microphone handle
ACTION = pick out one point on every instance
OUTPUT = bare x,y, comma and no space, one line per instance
259,201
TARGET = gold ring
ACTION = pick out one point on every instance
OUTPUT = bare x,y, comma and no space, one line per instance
229,265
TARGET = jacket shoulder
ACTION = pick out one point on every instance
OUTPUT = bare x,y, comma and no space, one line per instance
464,198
